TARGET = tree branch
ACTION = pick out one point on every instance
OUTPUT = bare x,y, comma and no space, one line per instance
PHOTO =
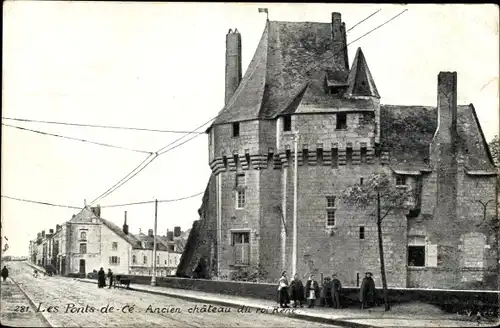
386,213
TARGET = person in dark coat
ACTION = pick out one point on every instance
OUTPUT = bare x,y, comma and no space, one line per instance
5,273
367,291
283,297
101,278
326,292
110,276
336,287
312,291
297,291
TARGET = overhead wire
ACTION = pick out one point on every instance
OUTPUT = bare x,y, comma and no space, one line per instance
77,139
104,206
41,203
148,161
94,125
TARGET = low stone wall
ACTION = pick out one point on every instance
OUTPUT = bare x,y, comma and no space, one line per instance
450,300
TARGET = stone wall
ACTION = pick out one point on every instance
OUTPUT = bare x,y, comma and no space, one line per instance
448,299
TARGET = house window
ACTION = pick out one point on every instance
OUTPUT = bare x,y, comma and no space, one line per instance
330,217
330,201
236,129
83,248
361,180
145,259
240,198
341,121
241,248
287,123
157,259
115,245
361,232
165,261
83,235
114,260
416,251
400,180
134,259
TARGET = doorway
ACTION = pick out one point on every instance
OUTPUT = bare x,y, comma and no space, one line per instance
82,266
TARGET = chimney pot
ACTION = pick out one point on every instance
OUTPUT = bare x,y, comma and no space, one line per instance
51,231
150,232
177,231
170,235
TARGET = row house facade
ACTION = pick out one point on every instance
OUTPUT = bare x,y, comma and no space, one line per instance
88,242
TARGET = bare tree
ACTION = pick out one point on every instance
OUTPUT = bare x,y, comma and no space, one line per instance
381,192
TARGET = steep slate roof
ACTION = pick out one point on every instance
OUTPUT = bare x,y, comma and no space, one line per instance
360,79
277,72
407,132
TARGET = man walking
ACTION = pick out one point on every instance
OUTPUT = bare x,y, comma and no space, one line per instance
110,276
336,287
5,273
367,291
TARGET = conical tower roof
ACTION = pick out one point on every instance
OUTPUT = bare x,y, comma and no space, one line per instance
360,79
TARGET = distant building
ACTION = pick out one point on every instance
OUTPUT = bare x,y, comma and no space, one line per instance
88,242
299,80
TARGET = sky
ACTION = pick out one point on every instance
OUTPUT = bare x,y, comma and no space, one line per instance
161,66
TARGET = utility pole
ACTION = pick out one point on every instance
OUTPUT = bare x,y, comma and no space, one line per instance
295,180
153,278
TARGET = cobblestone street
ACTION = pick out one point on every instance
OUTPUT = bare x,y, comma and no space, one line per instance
64,302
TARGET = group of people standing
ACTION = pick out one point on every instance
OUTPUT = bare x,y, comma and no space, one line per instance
295,291
101,278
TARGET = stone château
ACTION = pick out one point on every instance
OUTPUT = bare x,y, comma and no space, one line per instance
300,80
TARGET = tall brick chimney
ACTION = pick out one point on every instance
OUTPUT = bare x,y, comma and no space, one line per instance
43,233
233,63
125,225
447,101
170,235
150,232
177,231
51,231
444,159
339,38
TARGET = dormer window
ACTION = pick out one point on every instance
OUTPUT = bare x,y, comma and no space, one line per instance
287,123
341,121
236,129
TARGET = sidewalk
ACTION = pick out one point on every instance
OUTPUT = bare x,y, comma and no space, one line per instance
399,316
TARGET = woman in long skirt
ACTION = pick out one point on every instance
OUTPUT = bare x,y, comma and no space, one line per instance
283,296
101,278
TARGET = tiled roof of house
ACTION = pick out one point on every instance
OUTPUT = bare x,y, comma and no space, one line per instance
407,132
149,242
131,239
